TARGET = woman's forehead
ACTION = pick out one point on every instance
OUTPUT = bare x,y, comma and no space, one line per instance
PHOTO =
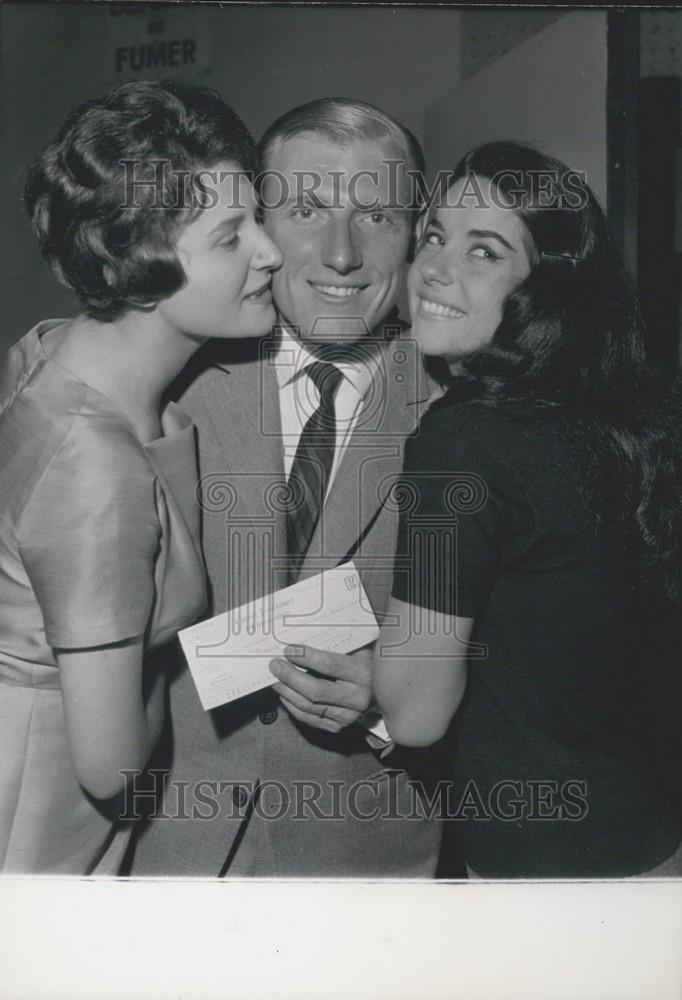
473,203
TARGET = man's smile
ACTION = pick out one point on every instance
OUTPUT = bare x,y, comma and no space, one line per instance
336,291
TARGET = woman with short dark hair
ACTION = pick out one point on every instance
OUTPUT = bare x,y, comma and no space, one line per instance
143,205
540,516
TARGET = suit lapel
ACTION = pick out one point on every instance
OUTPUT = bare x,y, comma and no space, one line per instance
242,476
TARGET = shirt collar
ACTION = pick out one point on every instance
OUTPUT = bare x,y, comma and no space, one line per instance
293,356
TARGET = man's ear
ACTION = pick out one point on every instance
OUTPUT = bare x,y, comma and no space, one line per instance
417,234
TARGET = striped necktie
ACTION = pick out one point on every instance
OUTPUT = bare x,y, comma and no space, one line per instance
311,467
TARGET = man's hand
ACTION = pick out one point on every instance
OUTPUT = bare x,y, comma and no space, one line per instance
331,701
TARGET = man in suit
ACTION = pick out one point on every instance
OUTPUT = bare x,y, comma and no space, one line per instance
292,781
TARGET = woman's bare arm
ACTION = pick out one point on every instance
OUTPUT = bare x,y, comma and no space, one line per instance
419,673
111,726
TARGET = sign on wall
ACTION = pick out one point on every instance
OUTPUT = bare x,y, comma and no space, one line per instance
156,40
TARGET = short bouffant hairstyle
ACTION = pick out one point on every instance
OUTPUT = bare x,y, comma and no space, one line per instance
110,195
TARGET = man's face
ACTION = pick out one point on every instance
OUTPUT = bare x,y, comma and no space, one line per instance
340,216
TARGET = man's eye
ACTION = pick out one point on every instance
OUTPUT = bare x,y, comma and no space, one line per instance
304,213
377,220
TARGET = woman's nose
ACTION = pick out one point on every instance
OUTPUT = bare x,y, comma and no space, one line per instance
268,254
437,269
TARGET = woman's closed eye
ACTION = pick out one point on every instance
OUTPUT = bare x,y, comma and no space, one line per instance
230,242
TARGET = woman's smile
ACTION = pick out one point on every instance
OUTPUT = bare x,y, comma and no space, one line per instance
437,310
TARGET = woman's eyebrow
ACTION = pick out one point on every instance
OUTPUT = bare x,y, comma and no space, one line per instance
226,224
490,233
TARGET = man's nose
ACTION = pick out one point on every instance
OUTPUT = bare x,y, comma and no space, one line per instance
341,250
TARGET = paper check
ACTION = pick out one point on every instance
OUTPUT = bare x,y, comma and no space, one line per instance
228,655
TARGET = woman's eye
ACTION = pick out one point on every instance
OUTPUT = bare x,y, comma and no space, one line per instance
231,243
483,253
434,238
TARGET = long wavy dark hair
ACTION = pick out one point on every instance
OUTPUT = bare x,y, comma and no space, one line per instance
571,338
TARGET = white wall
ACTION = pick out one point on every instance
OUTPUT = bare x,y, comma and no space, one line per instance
550,91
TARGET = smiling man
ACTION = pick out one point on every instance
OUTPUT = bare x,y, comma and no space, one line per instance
342,214
299,782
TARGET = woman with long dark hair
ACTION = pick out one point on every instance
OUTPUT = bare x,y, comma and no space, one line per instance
540,523
143,205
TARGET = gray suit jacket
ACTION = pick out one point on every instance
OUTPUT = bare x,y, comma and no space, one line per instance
251,791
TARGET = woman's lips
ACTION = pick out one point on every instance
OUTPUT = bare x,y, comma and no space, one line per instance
260,295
